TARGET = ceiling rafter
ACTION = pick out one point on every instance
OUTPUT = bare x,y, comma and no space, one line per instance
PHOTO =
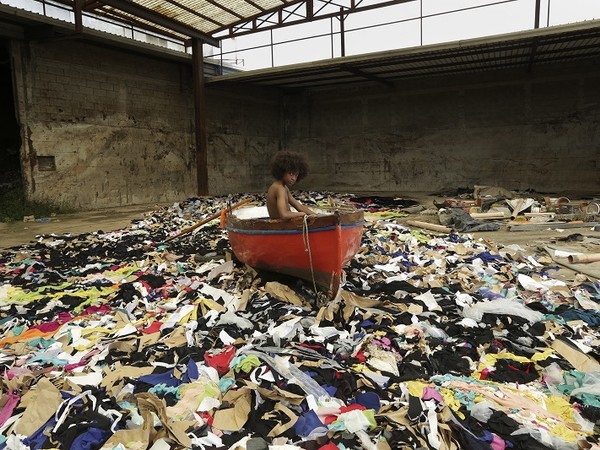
194,12
186,20
224,8
256,5
395,67
311,12
366,75
160,19
133,21
90,5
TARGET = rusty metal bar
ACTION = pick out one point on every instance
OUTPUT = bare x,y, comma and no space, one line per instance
200,111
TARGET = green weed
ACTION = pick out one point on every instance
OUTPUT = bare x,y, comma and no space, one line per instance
14,207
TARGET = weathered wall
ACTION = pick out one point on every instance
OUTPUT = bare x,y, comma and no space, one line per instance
518,130
118,125
244,130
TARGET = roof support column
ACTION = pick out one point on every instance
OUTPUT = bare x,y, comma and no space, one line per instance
342,33
77,9
200,110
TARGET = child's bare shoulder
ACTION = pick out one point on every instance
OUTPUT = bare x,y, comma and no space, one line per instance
276,188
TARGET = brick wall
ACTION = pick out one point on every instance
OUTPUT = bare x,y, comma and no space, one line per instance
118,126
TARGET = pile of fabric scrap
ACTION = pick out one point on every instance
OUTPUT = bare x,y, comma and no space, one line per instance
520,211
120,340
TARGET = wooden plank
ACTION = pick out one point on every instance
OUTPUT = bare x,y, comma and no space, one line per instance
549,226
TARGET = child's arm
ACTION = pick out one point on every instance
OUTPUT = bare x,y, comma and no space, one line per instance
299,206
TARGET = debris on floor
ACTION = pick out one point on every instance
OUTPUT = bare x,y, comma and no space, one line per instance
125,339
488,208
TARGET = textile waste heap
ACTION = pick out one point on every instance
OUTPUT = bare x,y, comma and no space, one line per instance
116,340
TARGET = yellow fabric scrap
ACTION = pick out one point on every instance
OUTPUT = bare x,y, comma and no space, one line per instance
451,401
416,388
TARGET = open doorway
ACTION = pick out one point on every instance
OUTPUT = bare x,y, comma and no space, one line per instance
10,138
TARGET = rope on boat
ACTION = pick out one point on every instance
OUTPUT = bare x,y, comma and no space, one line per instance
307,249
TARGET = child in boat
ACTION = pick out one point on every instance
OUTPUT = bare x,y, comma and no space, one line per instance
287,168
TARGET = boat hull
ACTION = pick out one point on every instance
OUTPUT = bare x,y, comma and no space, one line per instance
316,251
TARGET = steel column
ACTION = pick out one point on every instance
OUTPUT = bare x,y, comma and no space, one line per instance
342,33
78,10
200,111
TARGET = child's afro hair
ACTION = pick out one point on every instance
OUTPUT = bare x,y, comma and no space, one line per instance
291,162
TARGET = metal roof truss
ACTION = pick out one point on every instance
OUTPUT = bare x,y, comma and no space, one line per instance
299,12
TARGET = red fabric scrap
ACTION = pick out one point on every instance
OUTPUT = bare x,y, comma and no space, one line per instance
220,360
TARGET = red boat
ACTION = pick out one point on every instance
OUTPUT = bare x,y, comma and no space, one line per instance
315,249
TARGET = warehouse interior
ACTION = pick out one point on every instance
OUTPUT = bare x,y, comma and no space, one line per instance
441,291
104,121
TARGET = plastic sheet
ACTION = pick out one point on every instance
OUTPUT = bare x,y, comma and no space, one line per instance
502,306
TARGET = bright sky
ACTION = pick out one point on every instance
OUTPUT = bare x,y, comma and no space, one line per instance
399,31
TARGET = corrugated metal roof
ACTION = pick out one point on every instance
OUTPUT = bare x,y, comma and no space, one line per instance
517,50
205,16
211,20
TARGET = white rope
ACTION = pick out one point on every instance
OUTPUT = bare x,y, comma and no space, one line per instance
307,249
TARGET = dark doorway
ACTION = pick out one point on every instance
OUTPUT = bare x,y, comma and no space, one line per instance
10,138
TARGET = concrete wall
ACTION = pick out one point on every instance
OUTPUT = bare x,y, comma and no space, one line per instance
518,130
116,126
244,130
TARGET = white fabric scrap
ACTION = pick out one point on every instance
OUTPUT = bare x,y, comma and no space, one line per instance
226,267
284,330
90,379
530,284
429,300
126,330
216,294
463,299
387,267
354,421
226,338
210,440
231,318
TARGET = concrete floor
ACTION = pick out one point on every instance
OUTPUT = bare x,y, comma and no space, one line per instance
18,233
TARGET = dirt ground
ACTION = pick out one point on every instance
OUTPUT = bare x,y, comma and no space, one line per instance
19,233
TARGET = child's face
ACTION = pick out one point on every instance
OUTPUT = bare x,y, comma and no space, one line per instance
290,178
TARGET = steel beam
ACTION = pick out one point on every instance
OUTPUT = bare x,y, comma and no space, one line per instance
78,10
538,4
200,111
197,14
159,19
312,13
366,75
